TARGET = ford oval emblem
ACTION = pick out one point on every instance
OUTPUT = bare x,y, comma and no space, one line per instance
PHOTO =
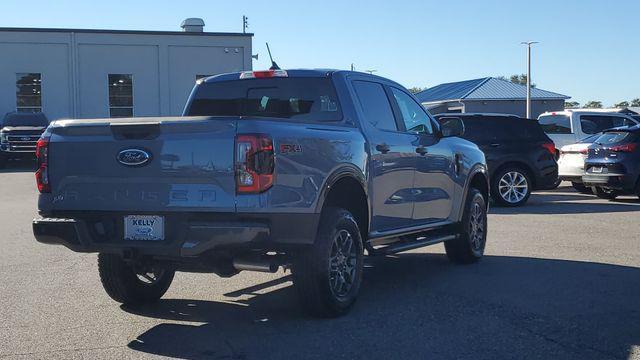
133,157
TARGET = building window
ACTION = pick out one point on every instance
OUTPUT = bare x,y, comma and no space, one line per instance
120,95
29,92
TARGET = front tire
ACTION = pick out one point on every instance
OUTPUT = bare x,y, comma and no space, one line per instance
511,187
328,275
469,246
603,193
129,285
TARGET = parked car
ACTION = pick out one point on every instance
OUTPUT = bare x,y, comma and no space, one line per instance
520,156
571,125
19,133
571,162
351,159
613,163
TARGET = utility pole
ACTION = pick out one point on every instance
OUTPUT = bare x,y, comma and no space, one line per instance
245,24
529,43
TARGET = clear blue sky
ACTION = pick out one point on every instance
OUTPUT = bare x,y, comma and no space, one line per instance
589,49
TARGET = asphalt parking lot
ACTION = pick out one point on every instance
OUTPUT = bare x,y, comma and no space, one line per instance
561,279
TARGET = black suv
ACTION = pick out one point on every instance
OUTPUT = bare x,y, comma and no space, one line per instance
520,156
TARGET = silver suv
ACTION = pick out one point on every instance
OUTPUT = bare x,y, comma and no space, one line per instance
570,126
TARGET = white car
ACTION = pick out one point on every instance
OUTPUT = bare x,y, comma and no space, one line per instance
571,162
571,125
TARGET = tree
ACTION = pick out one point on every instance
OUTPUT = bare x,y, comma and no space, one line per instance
571,104
516,79
622,104
635,102
593,105
415,89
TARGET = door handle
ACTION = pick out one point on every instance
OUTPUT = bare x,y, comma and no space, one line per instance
422,150
383,148
494,144
457,164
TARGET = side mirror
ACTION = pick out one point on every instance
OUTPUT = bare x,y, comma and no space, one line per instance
451,126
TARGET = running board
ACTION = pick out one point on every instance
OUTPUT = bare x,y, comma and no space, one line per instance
410,245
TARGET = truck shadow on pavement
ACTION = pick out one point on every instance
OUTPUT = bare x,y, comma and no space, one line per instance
567,202
419,305
18,167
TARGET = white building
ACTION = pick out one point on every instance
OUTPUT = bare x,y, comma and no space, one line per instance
73,73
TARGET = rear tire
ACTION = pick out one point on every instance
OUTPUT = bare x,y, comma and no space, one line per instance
511,187
328,275
579,187
604,193
469,246
127,285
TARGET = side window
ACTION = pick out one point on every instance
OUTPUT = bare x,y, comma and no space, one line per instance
414,116
505,129
593,124
475,130
375,105
621,121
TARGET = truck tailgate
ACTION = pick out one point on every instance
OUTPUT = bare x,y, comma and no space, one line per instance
187,164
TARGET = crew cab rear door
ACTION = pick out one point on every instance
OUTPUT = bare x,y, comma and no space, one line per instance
393,159
433,183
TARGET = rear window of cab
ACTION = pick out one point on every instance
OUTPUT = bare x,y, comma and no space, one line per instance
299,99
555,124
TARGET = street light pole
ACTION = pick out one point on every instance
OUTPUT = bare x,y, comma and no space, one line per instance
529,43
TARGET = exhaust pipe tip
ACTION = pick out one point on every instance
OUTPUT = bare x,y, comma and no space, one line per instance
259,265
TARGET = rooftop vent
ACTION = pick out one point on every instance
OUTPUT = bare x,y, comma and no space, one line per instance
192,25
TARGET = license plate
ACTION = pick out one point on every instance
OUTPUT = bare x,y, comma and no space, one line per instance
144,227
596,169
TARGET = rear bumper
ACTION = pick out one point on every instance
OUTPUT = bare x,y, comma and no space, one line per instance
623,182
184,237
547,178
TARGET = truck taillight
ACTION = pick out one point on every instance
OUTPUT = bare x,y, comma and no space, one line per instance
255,162
42,173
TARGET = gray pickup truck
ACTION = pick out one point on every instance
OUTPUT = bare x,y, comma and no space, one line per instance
301,169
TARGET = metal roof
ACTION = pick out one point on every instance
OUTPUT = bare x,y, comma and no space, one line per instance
132,32
488,88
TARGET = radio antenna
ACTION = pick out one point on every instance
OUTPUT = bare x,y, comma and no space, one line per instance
274,66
